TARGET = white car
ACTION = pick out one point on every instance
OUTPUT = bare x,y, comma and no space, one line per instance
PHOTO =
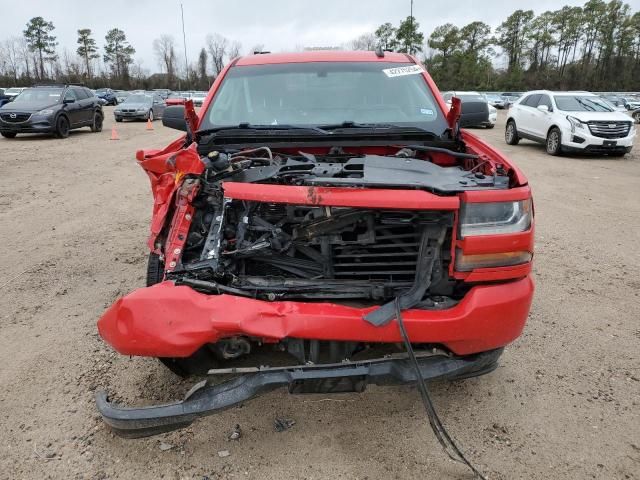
570,122
473,97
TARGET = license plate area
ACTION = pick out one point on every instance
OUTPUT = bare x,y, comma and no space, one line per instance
609,143
348,384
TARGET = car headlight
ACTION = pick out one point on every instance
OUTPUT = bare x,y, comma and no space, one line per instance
45,112
495,218
142,109
575,123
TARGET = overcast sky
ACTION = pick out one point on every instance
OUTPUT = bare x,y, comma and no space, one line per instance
279,25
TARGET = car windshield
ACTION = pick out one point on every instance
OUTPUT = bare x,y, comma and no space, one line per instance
102,90
317,93
39,96
582,103
138,99
13,90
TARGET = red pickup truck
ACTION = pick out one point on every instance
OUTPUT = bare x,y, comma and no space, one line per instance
312,194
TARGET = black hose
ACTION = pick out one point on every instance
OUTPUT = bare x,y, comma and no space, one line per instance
445,440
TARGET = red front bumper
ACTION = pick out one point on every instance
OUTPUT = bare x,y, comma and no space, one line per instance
170,321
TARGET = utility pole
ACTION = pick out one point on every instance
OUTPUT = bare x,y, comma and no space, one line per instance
411,24
184,43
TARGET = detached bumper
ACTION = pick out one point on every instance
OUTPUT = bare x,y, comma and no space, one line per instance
174,321
205,399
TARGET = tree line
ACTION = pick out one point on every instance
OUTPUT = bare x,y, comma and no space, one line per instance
34,57
593,47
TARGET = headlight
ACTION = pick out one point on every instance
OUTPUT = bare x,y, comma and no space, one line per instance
575,123
45,112
142,109
495,218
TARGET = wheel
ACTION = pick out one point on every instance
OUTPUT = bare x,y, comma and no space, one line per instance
554,142
511,133
150,115
96,126
62,127
9,134
118,119
636,117
489,125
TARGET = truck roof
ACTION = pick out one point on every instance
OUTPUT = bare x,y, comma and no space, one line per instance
323,56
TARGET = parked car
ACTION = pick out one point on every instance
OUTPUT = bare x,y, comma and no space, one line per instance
198,98
13,92
4,99
176,98
55,109
162,92
328,190
140,106
570,122
615,101
636,115
108,95
121,96
631,103
492,113
496,100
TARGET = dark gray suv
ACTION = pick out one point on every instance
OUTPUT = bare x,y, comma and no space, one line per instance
54,109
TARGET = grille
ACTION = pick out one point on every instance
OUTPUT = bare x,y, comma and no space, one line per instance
616,129
372,246
391,258
129,110
15,117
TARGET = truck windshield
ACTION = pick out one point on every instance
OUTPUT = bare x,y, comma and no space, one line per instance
317,93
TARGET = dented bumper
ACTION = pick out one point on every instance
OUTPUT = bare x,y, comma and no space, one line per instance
166,320
205,399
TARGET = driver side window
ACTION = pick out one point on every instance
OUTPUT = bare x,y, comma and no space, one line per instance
69,95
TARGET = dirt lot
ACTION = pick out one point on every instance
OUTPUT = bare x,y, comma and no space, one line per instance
564,403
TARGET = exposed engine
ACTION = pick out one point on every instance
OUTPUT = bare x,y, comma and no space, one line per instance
274,250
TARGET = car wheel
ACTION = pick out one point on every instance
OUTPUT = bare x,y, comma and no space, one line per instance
490,125
96,126
636,117
150,115
554,142
62,127
511,133
9,134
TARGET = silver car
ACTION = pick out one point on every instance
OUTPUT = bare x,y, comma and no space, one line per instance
141,107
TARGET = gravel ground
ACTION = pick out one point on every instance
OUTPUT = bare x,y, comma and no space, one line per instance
564,403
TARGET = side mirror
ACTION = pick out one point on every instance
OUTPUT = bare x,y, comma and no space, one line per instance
173,117
474,113
69,100
543,108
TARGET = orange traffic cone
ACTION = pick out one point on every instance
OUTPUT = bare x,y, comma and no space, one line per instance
114,133
149,124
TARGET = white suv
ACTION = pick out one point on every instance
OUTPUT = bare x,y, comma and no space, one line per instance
570,121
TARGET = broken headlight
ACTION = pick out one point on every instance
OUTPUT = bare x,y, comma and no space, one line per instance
495,218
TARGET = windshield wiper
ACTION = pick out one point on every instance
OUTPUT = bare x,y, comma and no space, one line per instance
346,125
250,128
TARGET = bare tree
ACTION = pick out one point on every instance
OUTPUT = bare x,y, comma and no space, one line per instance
234,50
366,41
165,51
217,47
11,56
